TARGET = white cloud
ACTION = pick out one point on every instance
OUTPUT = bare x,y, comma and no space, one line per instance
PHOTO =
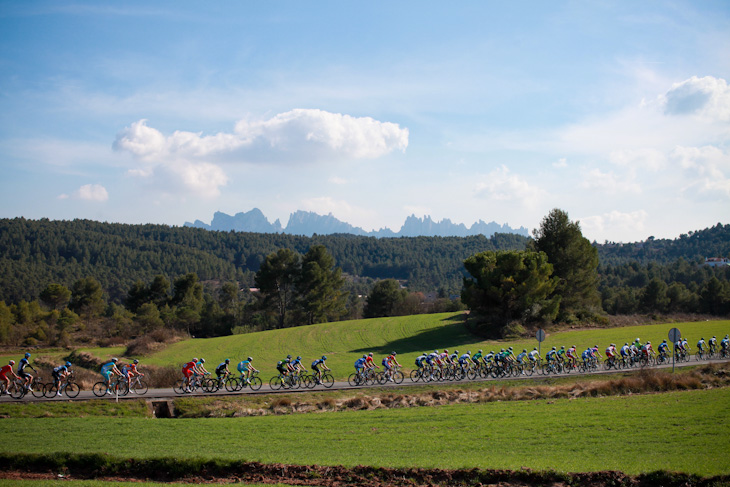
89,192
561,163
708,96
193,160
502,185
645,158
614,223
707,168
596,180
338,180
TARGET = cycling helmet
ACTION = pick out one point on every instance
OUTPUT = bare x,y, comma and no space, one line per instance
299,357
68,364
613,344
288,356
626,343
436,351
502,350
468,352
535,348
701,338
638,340
249,359
135,361
562,346
554,348
524,350
446,351
324,357
648,342
195,360
456,351
202,360
510,348
27,354
394,353
115,360
228,361
480,350
370,354
364,356
12,362
664,341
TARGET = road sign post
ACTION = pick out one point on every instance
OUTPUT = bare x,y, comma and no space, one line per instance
674,336
540,337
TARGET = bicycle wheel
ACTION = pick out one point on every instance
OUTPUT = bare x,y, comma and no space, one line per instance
327,380
275,383
354,379
17,391
38,388
179,387
140,387
398,376
471,374
255,384
232,384
308,381
415,375
72,389
99,389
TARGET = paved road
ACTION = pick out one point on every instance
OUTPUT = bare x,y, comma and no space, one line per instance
168,393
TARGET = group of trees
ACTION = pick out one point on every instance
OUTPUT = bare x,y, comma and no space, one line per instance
557,278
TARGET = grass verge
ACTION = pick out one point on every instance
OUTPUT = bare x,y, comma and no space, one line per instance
685,431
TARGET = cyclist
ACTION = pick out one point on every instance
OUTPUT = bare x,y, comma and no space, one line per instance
419,360
552,355
521,358
685,345
107,370
533,356
187,371
245,368
611,353
477,358
296,366
282,367
489,358
637,344
511,355
647,350
465,361
60,373
454,357
23,373
130,370
561,354
701,346
663,349
572,354
596,354
4,371
725,343
360,365
200,368
221,371
370,362
587,355
320,362
713,344
444,357
388,363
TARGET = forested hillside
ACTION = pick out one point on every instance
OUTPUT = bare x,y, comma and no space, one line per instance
35,253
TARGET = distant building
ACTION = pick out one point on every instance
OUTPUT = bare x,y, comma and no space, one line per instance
716,261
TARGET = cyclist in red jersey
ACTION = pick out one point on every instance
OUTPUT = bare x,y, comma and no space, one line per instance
4,371
187,371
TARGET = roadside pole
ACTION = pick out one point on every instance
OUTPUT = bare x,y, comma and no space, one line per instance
540,337
674,336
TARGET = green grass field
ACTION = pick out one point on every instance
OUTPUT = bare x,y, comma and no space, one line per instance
343,342
684,431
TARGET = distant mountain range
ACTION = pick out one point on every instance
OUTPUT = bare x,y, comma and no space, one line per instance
308,223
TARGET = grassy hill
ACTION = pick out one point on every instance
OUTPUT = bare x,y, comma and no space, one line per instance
343,342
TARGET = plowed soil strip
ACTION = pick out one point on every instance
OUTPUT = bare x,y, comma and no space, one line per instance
100,467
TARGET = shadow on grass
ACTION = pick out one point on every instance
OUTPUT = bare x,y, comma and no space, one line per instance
454,333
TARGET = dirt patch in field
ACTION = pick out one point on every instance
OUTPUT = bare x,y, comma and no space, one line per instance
642,382
337,476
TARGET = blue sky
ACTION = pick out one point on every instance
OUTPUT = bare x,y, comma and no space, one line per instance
165,112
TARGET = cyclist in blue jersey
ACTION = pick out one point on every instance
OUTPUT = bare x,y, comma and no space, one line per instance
24,364
521,358
465,361
725,344
360,364
318,366
246,369
107,370
60,373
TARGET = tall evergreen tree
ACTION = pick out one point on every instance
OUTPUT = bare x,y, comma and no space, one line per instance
276,280
319,286
575,263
